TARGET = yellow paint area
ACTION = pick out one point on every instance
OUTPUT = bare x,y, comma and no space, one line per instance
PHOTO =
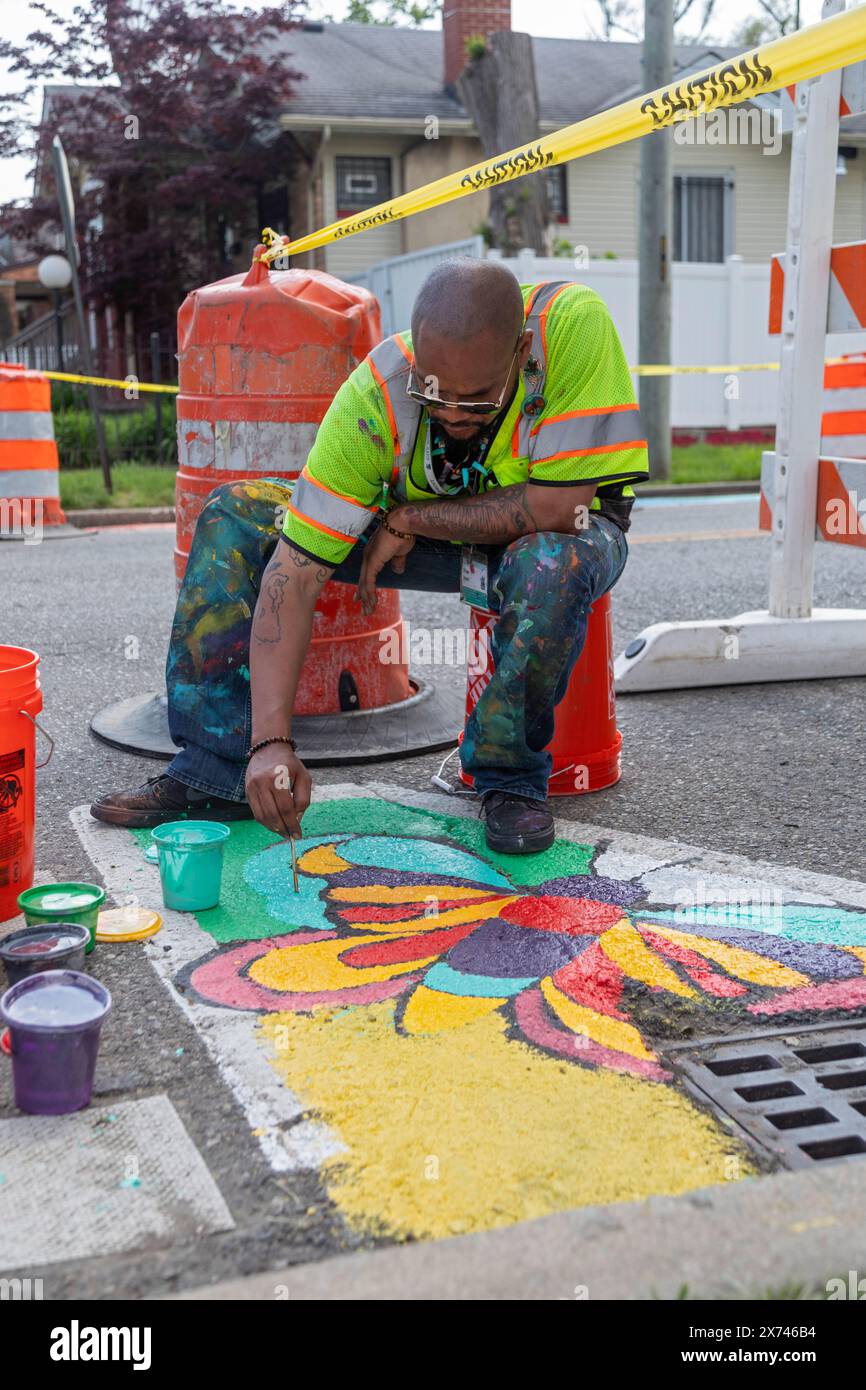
627,949
858,951
428,1010
610,1032
316,966
466,1129
755,970
322,859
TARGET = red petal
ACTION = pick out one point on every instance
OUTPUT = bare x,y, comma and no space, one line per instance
722,986
592,980
405,948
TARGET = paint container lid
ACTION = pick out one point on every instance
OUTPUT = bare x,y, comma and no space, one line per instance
127,924
43,942
55,1001
61,899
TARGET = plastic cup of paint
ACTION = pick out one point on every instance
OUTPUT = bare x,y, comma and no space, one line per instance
33,949
53,1023
191,863
52,903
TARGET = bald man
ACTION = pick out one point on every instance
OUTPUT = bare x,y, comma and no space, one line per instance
491,451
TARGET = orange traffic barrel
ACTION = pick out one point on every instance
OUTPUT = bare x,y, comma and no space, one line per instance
20,702
260,358
586,742
29,468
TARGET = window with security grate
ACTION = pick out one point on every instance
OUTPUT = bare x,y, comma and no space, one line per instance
702,217
362,182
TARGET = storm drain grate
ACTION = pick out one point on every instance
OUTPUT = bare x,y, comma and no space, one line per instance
799,1094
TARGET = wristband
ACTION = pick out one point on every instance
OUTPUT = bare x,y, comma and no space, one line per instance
263,743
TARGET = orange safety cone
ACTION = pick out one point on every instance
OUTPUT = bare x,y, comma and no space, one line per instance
586,742
29,468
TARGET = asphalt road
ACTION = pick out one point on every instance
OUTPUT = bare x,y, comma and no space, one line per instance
773,772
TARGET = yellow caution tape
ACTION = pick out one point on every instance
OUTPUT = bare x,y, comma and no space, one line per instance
652,369
130,384
663,369
833,43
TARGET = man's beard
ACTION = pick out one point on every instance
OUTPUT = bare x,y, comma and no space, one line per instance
467,433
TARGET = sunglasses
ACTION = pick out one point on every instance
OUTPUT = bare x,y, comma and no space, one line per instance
470,407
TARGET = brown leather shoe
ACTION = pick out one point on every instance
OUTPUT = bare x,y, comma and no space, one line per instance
163,799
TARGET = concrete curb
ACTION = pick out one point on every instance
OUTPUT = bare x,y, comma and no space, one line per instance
694,489
744,1240
108,516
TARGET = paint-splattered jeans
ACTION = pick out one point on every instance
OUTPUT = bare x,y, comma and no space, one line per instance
542,587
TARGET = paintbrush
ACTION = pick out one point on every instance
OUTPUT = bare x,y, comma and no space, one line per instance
294,862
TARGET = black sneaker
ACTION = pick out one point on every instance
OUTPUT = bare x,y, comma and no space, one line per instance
163,799
516,824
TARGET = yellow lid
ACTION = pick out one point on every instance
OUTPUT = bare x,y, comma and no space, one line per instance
127,924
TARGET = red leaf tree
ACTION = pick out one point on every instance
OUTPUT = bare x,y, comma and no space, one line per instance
168,111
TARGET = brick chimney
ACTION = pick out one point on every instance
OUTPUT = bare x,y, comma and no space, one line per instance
461,20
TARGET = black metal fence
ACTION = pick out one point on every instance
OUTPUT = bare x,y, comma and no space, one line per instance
139,426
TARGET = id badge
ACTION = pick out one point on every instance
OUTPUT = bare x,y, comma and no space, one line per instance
473,577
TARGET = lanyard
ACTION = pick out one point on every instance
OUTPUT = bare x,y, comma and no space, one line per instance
469,474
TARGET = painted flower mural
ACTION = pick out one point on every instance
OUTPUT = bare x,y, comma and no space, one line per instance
577,967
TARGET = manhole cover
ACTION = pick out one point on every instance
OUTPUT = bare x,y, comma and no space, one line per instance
799,1094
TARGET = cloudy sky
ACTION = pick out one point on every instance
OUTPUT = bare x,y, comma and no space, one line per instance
571,19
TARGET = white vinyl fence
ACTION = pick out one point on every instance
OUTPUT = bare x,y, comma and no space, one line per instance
396,282
719,317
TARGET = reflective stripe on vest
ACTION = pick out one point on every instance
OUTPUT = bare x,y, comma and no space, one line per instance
337,516
540,300
390,365
592,431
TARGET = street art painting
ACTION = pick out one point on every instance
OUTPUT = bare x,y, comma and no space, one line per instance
485,1035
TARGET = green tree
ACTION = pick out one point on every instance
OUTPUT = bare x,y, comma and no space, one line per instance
390,12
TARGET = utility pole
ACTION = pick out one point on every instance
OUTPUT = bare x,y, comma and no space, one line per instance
655,243
67,218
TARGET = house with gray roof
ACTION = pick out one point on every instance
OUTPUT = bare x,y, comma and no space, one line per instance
377,114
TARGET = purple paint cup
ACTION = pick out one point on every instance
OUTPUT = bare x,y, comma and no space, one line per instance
54,1020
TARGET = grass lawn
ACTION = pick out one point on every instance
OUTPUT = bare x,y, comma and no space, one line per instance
144,485
716,463
135,485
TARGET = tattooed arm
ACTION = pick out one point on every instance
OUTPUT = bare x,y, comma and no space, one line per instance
282,624
498,516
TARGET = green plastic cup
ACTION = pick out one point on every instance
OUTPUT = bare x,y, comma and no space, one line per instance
63,902
191,863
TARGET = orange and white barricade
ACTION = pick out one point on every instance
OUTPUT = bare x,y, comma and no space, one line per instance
29,466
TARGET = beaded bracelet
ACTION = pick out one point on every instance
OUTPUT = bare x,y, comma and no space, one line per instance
263,743
404,535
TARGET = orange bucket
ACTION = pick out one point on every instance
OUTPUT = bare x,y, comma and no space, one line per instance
20,702
586,742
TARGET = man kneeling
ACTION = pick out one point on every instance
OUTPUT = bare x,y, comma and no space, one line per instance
502,429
